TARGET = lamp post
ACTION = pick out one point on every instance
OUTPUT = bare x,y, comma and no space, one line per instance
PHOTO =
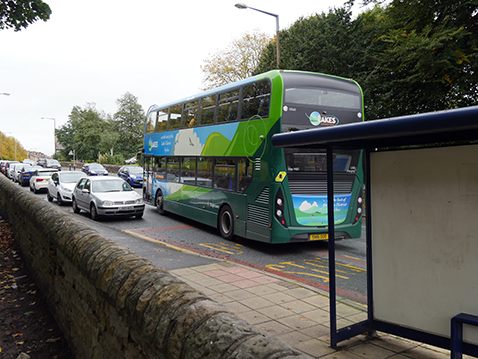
243,6
54,132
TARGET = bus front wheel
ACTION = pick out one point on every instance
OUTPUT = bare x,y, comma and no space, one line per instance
159,201
226,222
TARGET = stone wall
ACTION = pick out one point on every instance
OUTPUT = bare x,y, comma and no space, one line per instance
112,303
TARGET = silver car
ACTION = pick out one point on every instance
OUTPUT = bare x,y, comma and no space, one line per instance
106,196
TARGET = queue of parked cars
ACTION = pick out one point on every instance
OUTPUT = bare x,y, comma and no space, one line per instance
90,190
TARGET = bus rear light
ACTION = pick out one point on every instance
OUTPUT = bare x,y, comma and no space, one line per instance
359,207
279,208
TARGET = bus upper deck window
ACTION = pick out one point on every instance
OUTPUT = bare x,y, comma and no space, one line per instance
175,117
228,106
256,100
162,120
208,109
151,124
190,114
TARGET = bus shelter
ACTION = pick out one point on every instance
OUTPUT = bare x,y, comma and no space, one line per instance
422,231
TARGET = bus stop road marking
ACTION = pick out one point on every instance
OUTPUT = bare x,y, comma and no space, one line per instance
278,268
222,247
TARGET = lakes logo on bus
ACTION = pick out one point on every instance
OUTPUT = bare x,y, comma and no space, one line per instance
152,144
317,119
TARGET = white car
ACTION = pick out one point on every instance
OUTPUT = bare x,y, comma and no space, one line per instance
61,185
39,180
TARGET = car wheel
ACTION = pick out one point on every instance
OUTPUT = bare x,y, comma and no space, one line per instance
31,189
94,213
159,202
59,200
226,222
49,197
76,209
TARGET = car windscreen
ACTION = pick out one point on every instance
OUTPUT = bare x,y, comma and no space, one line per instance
71,177
110,186
135,170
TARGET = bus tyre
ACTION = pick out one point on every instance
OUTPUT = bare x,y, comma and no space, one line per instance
226,222
159,199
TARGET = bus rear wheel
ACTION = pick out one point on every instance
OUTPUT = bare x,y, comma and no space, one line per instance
226,222
159,202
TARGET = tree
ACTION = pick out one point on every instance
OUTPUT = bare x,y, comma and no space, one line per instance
129,124
235,63
409,57
18,14
87,132
11,149
429,60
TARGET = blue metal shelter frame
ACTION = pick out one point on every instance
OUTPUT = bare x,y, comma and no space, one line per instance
444,128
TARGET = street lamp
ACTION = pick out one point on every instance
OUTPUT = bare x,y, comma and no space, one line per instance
54,132
243,6
4,93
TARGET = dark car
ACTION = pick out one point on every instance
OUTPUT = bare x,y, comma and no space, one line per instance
132,174
52,164
26,174
94,169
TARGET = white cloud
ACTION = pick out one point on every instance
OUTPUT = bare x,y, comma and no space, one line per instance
305,206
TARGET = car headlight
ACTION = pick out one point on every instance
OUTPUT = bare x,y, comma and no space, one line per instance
139,201
133,176
108,203
64,189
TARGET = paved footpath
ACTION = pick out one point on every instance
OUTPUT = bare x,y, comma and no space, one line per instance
281,308
295,313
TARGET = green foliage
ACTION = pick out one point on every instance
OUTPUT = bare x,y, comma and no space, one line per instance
91,133
409,57
129,125
112,160
18,14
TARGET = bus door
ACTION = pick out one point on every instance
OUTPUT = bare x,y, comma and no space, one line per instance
148,179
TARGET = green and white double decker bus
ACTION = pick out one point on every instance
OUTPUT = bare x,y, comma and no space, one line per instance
209,157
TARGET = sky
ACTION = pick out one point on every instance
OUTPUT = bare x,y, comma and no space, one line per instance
95,51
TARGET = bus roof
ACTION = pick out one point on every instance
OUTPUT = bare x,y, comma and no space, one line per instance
225,88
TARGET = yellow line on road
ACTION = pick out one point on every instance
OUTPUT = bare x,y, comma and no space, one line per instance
141,236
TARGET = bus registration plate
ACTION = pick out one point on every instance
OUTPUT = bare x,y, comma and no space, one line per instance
319,237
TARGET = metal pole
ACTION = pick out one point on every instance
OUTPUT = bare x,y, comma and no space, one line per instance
243,6
331,228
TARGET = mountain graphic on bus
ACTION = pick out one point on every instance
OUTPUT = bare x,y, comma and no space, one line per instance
312,210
